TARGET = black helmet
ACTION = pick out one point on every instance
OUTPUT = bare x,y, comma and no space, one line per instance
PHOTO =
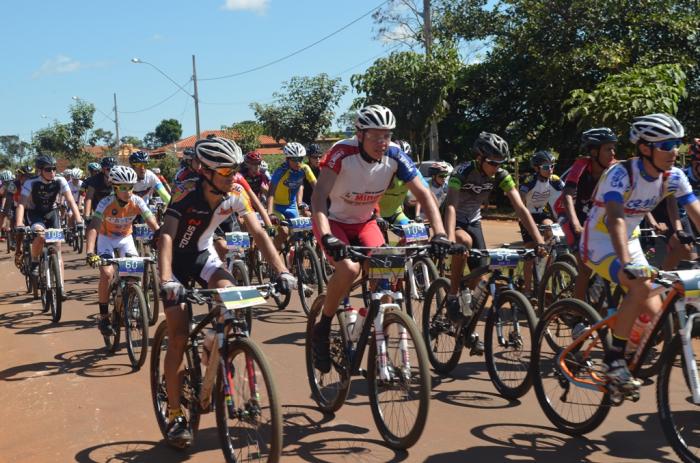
25,170
596,137
44,161
108,162
314,150
138,156
188,154
541,158
491,146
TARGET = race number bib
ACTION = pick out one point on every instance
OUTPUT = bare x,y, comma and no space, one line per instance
131,267
414,232
387,264
238,297
503,258
237,240
300,224
142,232
557,231
53,235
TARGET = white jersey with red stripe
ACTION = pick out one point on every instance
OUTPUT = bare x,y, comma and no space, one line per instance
360,183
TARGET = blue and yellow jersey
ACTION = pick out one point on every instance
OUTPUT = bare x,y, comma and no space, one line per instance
286,182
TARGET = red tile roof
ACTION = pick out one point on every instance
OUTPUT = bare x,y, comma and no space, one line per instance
268,145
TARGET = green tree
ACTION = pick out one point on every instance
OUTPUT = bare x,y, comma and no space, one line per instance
168,131
414,86
168,165
68,139
131,140
13,151
302,110
247,134
105,137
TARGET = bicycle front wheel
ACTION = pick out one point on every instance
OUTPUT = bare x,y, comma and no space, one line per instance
239,270
674,398
572,409
151,288
135,325
248,412
510,329
309,275
557,283
399,381
54,292
415,289
442,339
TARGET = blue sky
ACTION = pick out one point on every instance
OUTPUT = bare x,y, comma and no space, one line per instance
54,50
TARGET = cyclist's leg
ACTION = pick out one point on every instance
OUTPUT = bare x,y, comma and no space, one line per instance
105,249
282,215
462,236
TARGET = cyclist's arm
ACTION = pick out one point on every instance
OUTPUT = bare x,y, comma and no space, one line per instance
319,205
569,193
693,210
300,195
524,215
73,207
152,222
88,200
615,220
258,206
91,235
162,192
263,242
165,248
271,198
425,198
451,212
674,217
19,212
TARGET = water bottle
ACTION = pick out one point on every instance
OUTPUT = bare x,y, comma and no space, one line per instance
350,316
638,329
465,299
359,324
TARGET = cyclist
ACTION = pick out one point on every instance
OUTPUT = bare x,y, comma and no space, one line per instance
692,171
156,170
189,166
354,174
148,182
438,173
285,187
98,185
6,184
625,193
314,154
112,222
12,196
253,174
265,169
469,187
73,177
536,192
39,198
186,253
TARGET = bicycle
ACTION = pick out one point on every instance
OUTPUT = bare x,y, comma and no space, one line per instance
143,236
570,382
129,308
397,366
50,281
78,233
554,275
30,280
301,257
231,384
510,322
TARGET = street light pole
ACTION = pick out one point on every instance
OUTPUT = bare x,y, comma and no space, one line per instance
433,141
116,122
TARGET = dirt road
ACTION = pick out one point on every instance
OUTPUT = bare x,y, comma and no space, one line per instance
64,400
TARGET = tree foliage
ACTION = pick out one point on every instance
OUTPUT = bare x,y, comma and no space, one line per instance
101,137
67,139
131,140
168,131
247,134
13,151
303,109
414,86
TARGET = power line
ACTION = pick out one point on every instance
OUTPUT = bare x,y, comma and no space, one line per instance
157,104
263,66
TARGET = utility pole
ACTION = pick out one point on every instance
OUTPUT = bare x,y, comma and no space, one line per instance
195,96
116,123
428,38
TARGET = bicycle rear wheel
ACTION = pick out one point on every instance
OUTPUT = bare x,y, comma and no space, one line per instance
557,283
281,300
250,426
309,275
510,330
400,402
135,325
329,390
151,288
572,409
674,397
441,336
424,273
192,377
55,289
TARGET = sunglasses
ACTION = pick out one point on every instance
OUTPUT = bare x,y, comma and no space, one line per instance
547,166
225,171
444,175
666,145
49,169
493,163
138,165
123,187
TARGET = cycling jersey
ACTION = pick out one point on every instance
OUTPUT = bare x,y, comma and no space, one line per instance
102,189
474,188
116,219
308,187
537,192
184,174
360,184
286,183
580,179
256,181
41,195
391,203
639,194
144,187
196,220
75,189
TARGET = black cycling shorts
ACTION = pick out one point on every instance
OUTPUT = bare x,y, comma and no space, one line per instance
48,219
198,267
477,235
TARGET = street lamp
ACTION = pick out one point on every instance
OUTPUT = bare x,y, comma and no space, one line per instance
194,96
115,120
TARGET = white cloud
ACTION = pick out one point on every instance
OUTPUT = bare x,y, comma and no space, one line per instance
60,64
157,37
256,6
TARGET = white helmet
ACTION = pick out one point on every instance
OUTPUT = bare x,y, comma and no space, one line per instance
156,170
263,165
655,127
294,150
218,152
120,175
77,173
375,117
68,173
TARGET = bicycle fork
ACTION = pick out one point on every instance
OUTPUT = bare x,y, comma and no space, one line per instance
380,339
685,332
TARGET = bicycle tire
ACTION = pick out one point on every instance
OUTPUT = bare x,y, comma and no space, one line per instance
557,282
651,365
438,329
567,258
56,292
135,320
311,277
422,266
510,386
678,426
329,390
544,367
192,378
240,273
80,239
250,409
151,288
281,300
416,388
